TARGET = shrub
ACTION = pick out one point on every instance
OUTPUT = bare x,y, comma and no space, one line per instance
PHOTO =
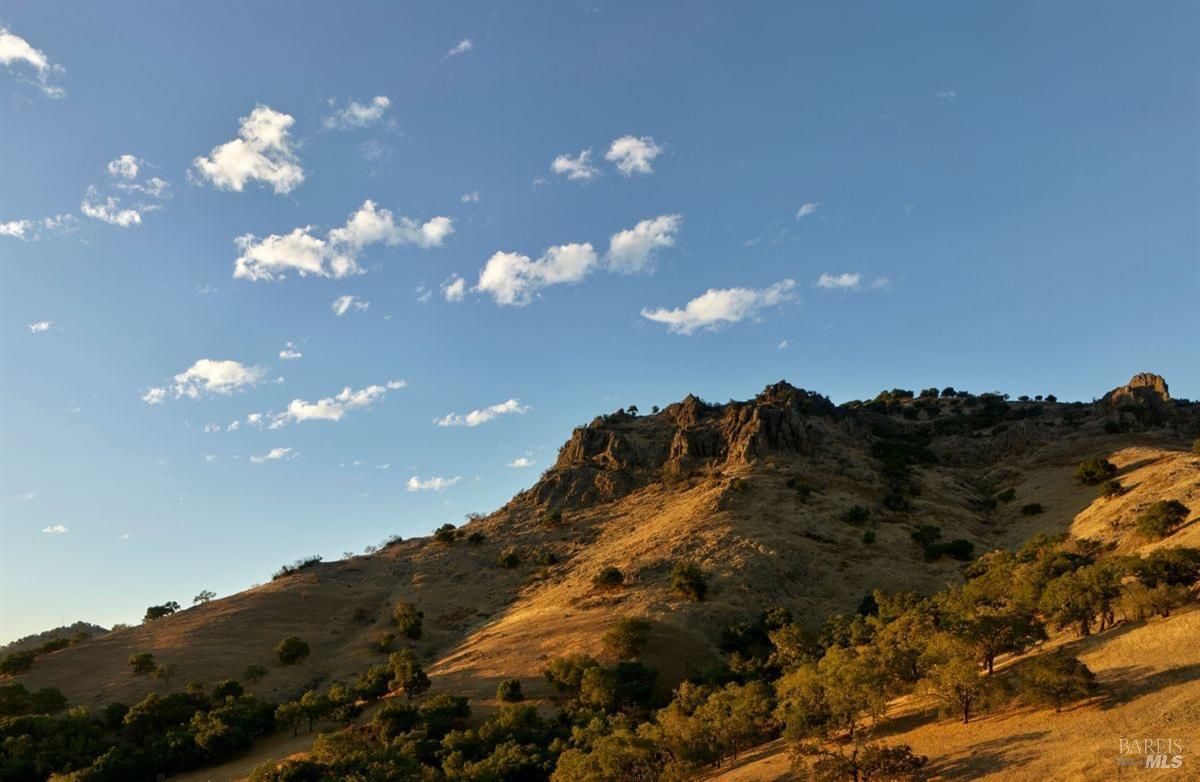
626,638
1095,471
1161,518
1112,488
688,581
158,612
1054,679
509,558
254,672
142,663
554,518
566,672
1032,509
227,688
407,674
383,643
445,534
868,537
1173,566
297,566
1008,495
407,619
856,514
17,662
509,691
476,538
608,578
361,616
291,650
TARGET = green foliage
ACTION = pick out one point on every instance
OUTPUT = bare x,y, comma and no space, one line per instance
17,662
702,725
614,687
509,558
868,537
158,612
476,538
857,762
297,566
408,620
204,597
856,514
687,580
608,578
16,700
407,674
254,672
621,756
1162,518
1032,509
1007,495
227,688
1112,489
383,643
446,534
566,672
291,650
509,691
626,638
1172,566
953,676
1094,471
142,663
1054,679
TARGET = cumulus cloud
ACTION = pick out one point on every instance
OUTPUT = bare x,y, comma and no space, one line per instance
273,455
34,229
16,51
512,279
343,304
462,47
633,250
477,417
17,229
108,209
844,281
633,155
207,377
289,353
807,209
577,169
334,408
454,288
720,307
431,484
359,115
55,529
264,152
336,255
521,462
124,167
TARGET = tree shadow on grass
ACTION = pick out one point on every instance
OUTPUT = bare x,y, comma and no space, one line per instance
1126,684
988,757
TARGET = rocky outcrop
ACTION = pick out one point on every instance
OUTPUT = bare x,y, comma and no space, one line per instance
1145,397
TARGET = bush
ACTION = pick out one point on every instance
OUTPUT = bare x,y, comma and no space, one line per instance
688,580
1008,495
868,537
509,691
407,619
445,534
1112,489
291,650
476,538
227,688
856,514
1172,566
1032,509
142,663
1054,679
509,558
383,643
608,578
1094,471
566,672
626,638
297,566
254,672
158,612
17,662
1162,518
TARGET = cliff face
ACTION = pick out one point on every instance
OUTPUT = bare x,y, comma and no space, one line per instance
618,453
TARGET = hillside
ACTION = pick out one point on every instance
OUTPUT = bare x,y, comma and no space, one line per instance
760,494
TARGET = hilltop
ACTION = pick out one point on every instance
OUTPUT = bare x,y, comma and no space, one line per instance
781,500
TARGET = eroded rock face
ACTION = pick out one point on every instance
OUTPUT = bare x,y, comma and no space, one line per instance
616,454
1145,396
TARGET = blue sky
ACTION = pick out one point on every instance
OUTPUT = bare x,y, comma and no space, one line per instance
996,196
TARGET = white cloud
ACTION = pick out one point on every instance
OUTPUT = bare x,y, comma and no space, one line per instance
40,327
56,529
633,155
334,408
719,307
633,250
109,210
946,95
431,484
264,152
358,115
343,304
289,353
462,47
454,288
272,257
33,229
782,345
233,426
879,283
844,281
577,169
470,198
275,454
207,377
16,228
15,50
477,417
124,167
210,428
520,462
512,279
807,209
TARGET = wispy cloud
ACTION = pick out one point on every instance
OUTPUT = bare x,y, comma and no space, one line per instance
844,281
435,483
40,327
454,288
274,455
946,95
477,417
806,210
577,169
359,115
55,529
521,462
290,353
462,47
20,58
343,304
333,408
470,198
720,307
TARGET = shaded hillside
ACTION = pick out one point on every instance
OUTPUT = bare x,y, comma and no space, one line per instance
784,499
68,632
